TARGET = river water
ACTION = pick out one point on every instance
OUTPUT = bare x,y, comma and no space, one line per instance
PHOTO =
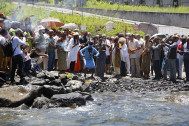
120,109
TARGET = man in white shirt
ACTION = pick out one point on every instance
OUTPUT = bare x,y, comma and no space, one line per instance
17,59
133,48
3,58
123,55
141,42
107,43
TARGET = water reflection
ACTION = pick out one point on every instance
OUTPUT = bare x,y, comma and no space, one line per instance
109,109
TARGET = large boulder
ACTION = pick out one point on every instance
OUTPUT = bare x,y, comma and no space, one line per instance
49,91
41,102
75,85
67,100
15,96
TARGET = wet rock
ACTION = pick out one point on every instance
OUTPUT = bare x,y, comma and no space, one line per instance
68,90
74,84
23,107
49,91
88,97
41,102
67,100
38,81
86,87
56,82
15,96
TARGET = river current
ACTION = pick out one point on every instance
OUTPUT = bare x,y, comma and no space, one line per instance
108,109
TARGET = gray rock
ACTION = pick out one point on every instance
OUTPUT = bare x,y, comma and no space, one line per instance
52,75
38,81
41,75
67,100
41,102
56,82
88,97
49,91
23,107
74,84
86,87
68,90
15,96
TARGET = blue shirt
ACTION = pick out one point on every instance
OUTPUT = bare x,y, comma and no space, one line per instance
16,43
89,55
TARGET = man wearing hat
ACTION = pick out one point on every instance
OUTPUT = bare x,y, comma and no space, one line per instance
17,59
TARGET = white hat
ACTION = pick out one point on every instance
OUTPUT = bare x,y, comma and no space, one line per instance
41,28
76,33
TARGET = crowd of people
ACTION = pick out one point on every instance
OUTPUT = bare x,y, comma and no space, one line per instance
124,54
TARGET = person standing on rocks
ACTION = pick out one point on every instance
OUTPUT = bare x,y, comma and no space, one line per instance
88,59
73,48
186,58
62,45
17,59
123,55
116,60
180,53
108,45
172,57
101,59
42,45
51,51
146,57
133,48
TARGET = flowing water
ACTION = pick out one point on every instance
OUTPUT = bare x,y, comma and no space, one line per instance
120,109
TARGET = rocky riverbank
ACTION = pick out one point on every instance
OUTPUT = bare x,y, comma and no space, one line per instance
51,89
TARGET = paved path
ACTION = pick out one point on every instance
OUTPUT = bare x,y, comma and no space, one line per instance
161,28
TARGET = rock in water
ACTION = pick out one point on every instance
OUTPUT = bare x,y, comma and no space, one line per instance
41,102
49,91
74,84
15,96
67,100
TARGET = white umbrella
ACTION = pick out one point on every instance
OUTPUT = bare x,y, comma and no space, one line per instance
70,26
148,28
51,22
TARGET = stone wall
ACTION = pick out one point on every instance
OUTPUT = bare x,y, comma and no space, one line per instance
171,19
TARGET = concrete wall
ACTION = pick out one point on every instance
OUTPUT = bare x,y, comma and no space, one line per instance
164,3
171,19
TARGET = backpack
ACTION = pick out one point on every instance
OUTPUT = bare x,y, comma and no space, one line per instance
7,48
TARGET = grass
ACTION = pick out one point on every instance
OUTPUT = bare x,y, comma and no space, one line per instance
106,5
95,25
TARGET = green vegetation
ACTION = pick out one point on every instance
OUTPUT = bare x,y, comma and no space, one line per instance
106,5
95,25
